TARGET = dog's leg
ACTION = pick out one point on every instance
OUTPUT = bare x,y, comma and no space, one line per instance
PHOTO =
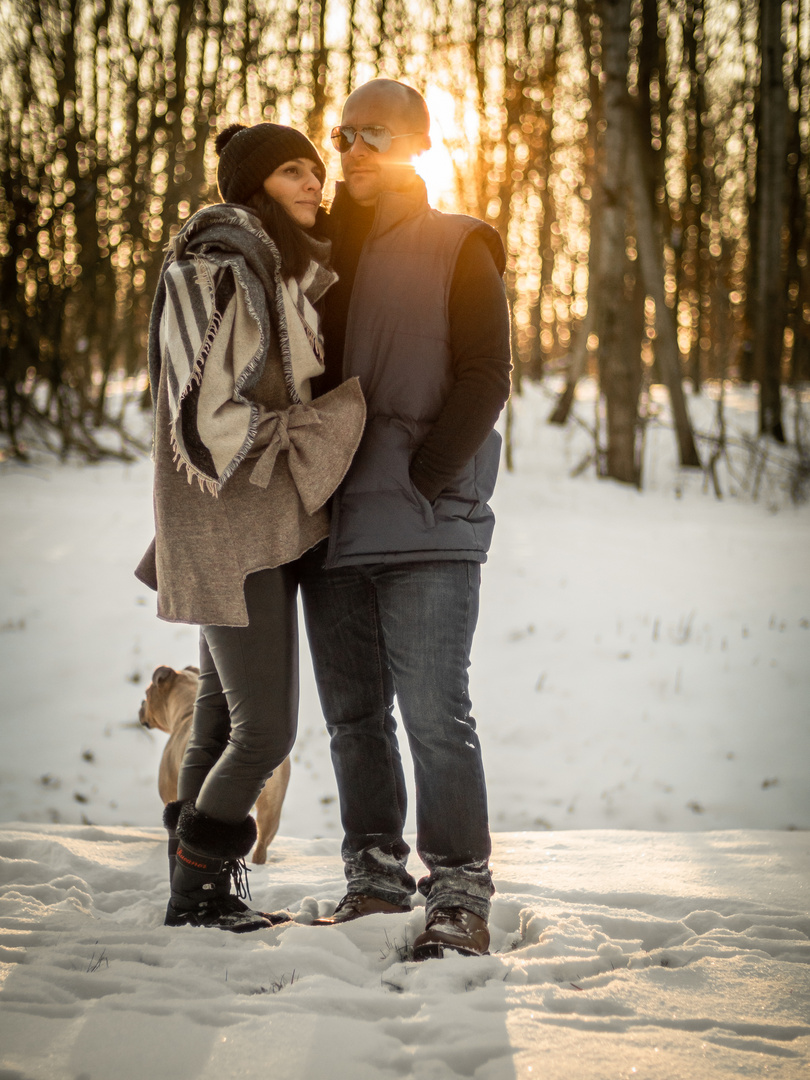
268,810
171,761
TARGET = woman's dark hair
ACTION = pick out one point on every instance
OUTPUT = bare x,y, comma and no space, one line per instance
289,238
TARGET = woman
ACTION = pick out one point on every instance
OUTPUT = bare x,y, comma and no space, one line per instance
244,463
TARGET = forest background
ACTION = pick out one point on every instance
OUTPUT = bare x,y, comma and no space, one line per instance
645,162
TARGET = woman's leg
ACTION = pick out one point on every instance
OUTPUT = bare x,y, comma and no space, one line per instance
244,726
253,682
210,729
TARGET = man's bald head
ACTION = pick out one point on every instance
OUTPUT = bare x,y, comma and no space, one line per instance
398,101
403,112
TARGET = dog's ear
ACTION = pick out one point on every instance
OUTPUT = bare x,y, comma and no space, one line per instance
161,674
191,667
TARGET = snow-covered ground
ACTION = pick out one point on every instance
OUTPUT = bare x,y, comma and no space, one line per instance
615,955
642,688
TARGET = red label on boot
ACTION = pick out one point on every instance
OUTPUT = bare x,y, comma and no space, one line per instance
181,855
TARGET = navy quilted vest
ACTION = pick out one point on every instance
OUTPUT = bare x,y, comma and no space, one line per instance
398,344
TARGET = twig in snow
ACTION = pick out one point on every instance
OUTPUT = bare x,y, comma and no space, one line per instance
97,961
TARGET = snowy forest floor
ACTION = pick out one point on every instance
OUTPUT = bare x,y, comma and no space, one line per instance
641,659
641,683
615,954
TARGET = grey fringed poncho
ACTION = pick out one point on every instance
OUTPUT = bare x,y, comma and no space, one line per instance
244,461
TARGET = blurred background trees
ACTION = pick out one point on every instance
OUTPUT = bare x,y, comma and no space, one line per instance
645,161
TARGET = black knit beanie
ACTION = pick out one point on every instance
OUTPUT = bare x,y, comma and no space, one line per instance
247,156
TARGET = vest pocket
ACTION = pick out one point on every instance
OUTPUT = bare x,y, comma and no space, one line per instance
423,506
379,476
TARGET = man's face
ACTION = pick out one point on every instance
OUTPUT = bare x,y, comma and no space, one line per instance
369,172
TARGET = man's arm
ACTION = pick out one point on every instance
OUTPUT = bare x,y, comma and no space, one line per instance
479,335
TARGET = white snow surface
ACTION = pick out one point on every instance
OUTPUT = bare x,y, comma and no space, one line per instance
641,684
614,954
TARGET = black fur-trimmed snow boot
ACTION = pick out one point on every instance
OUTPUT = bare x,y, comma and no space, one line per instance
209,856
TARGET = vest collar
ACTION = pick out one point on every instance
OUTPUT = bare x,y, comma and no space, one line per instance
392,207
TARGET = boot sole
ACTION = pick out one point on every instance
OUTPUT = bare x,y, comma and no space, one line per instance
190,920
276,918
217,926
331,920
435,951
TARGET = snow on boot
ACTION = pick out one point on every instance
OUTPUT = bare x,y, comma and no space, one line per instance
210,854
452,929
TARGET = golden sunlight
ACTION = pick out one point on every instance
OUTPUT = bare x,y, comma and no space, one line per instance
436,166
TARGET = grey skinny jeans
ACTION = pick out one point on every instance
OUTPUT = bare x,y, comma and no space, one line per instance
246,712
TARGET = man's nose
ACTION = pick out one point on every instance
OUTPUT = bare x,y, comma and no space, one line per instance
358,147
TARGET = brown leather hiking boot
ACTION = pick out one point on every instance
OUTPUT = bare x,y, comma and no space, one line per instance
356,905
452,928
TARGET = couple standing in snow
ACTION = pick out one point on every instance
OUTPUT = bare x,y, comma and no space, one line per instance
363,357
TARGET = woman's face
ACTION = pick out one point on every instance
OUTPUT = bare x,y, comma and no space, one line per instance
297,186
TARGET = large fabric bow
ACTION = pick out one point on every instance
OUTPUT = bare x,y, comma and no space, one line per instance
319,439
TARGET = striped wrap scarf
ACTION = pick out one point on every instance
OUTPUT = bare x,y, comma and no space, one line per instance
219,303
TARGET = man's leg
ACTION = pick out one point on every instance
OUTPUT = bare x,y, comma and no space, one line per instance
356,691
428,612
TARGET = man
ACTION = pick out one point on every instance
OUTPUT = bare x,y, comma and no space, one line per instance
420,315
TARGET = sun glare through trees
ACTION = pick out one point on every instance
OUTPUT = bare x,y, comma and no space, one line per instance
645,162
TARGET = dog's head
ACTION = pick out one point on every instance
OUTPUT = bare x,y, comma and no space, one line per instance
169,697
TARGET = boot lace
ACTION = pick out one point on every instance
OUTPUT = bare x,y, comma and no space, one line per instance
239,871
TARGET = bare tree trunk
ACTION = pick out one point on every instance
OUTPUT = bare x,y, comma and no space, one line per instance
319,68
543,148
651,257
577,360
619,368
697,208
798,271
769,300
578,354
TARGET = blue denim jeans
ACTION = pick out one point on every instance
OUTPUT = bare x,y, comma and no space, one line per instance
404,629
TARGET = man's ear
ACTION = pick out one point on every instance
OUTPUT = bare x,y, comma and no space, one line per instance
426,143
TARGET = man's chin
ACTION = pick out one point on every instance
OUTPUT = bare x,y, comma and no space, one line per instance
363,188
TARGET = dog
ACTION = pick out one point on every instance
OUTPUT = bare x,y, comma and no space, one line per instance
169,706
